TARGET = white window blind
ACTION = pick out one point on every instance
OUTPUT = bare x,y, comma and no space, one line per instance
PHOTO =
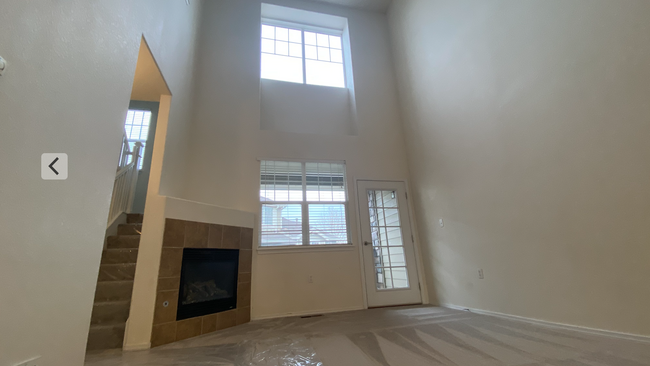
303,203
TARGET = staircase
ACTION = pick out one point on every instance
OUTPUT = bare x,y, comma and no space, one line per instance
114,286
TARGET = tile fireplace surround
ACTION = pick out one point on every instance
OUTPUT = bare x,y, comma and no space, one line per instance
181,234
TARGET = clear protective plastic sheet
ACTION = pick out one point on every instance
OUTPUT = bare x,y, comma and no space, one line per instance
407,336
279,352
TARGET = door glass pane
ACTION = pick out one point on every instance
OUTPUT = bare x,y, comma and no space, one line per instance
389,198
380,279
393,236
383,237
399,277
373,217
388,246
397,256
380,217
391,217
376,251
388,279
375,236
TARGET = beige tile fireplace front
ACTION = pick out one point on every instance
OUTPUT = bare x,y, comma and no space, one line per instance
181,234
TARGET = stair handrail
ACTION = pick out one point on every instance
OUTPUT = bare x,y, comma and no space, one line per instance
126,180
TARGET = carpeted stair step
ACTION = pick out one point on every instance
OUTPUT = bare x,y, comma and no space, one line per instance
129,229
123,241
120,255
103,337
116,272
113,291
134,218
111,312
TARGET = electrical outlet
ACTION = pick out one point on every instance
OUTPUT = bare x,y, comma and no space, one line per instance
311,279
442,223
480,274
32,362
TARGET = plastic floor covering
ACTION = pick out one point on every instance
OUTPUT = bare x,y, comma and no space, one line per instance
408,336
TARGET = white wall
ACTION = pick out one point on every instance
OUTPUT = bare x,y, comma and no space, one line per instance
227,141
527,125
67,89
299,108
181,209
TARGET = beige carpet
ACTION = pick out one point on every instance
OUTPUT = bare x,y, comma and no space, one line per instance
410,336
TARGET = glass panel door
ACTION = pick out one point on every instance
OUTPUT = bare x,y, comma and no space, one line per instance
389,255
387,243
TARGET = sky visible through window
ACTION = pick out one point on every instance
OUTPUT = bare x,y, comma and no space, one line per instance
300,56
136,128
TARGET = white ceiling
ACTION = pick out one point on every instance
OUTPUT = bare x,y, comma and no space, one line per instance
377,5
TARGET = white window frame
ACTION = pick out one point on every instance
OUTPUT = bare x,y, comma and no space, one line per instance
305,211
140,140
315,29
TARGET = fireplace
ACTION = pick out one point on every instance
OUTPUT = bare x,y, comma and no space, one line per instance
208,282
189,247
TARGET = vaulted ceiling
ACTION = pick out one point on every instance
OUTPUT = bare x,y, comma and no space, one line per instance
376,5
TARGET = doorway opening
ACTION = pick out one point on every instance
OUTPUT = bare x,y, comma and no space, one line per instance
140,127
137,175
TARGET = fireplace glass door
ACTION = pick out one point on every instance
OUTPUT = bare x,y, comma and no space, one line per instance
208,282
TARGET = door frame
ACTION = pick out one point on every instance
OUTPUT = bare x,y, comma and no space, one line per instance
424,293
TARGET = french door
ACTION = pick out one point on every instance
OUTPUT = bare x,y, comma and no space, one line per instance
388,245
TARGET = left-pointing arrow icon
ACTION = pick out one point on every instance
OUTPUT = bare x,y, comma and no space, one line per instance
54,166
51,166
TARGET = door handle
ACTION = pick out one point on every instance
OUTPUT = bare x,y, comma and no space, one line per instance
367,243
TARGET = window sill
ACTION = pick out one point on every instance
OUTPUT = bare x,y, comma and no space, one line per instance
313,86
306,249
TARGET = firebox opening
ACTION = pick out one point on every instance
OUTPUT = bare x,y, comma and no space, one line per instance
208,282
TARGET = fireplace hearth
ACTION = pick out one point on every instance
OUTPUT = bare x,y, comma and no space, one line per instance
208,282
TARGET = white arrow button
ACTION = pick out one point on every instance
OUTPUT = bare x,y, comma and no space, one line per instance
54,166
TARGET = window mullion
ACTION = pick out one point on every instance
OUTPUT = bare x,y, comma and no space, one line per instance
305,206
347,222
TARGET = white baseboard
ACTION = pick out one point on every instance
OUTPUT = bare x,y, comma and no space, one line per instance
136,347
307,313
602,332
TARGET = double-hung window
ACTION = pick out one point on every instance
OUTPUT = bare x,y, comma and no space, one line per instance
303,203
136,127
302,54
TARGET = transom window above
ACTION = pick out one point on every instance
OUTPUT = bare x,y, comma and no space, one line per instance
303,203
298,55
